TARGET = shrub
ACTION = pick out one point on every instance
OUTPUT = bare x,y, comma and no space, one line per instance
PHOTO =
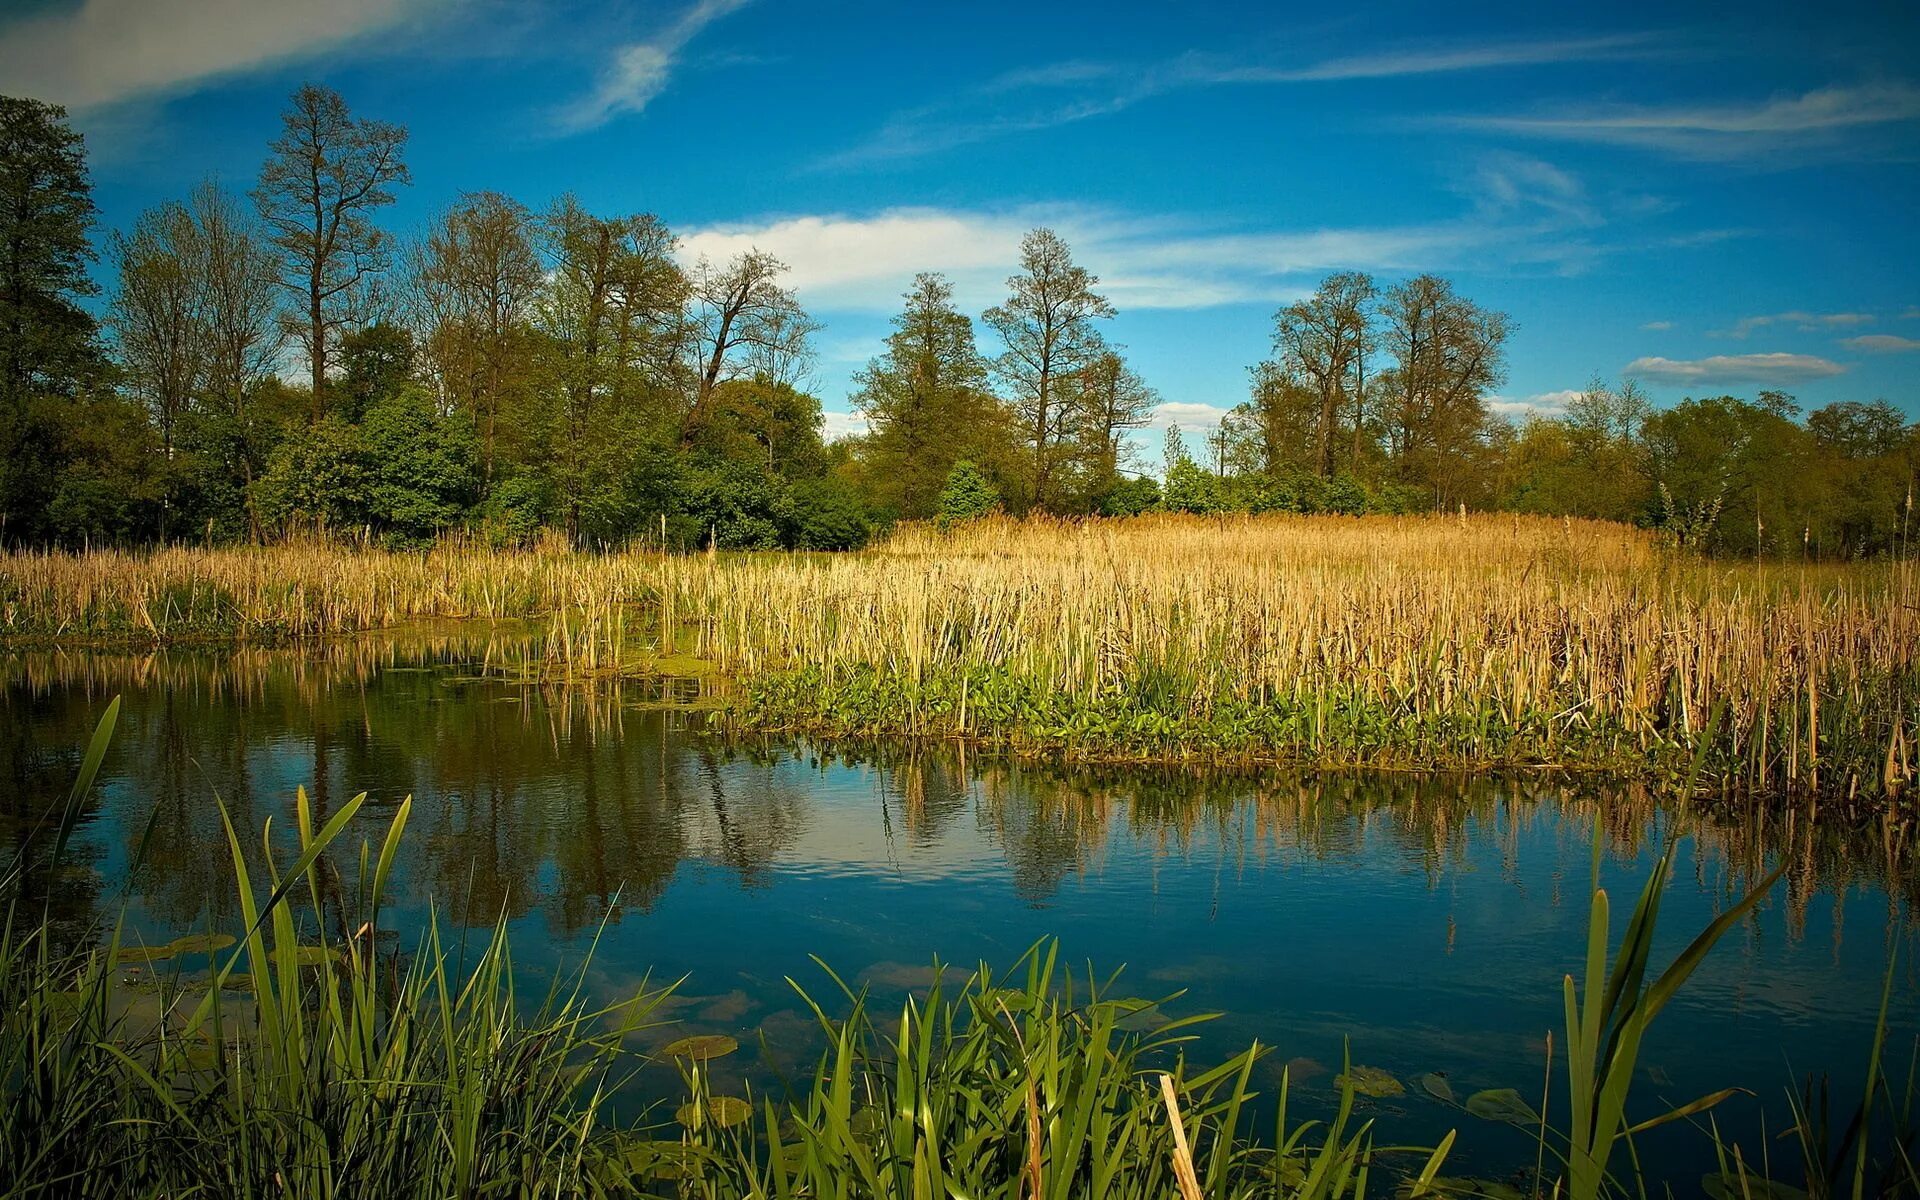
967,495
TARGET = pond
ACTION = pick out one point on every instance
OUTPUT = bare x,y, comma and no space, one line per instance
1419,923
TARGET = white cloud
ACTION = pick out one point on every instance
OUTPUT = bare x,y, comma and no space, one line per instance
1545,404
1187,415
1735,368
1441,58
1657,326
106,51
1912,314
1805,322
1721,131
640,70
837,425
1882,343
861,263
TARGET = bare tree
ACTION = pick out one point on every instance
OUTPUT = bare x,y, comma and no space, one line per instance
236,273
155,316
1323,340
1047,327
317,194
745,323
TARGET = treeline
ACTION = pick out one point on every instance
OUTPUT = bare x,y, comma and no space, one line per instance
276,362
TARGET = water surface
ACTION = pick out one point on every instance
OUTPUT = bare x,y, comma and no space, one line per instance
1423,922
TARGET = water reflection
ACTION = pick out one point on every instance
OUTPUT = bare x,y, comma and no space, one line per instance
1426,918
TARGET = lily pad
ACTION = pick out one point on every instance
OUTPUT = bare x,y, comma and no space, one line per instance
143,954
1467,1189
868,1120
1753,1187
200,943
723,1111
701,1046
237,981
1434,1084
661,1160
1502,1104
1369,1081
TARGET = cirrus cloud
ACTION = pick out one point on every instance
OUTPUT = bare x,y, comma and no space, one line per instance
1735,368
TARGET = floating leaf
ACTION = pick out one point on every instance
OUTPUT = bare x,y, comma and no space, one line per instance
724,1111
1502,1104
1369,1081
868,1121
237,981
143,954
1753,1187
701,1046
200,943
662,1160
307,956
1434,1084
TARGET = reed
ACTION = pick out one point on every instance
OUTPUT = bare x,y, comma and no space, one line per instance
1416,641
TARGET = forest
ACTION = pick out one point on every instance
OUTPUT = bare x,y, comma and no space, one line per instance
250,365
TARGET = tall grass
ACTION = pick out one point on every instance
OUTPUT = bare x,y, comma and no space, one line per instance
1401,641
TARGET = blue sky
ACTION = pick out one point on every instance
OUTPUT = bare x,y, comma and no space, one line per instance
1709,199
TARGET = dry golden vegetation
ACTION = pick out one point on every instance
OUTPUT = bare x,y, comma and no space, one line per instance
1387,640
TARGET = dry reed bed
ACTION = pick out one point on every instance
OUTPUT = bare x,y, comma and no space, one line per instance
1380,639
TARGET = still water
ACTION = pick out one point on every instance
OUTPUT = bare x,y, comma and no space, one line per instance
1425,923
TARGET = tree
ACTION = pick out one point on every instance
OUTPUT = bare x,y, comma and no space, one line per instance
473,282
967,495
925,399
1323,340
155,316
1276,429
421,467
318,191
375,362
1448,352
1113,401
611,317
1046,325
766,422
744,323
48,349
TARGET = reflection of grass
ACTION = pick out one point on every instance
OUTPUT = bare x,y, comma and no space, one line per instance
344,1069
1413,641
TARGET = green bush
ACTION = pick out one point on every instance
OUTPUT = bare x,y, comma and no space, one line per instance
967,495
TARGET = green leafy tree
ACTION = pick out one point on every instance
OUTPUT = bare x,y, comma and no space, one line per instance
315,480
421,469
48,347
967,495
926,401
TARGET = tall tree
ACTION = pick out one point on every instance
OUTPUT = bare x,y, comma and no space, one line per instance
156,318
1447,353
1323,340
474,280
327,175
1047,327
744,324
925,400
234,270
47,340
1113,401
612,319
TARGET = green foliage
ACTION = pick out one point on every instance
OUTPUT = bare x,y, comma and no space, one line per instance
1129,497
1192,489
516,510
967,495
422,469
825,514
315,480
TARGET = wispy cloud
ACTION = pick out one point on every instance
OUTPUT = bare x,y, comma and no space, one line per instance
1882,343
1805,322
1657,326
1772,127
103,52
640,71
1735,368
1095,89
